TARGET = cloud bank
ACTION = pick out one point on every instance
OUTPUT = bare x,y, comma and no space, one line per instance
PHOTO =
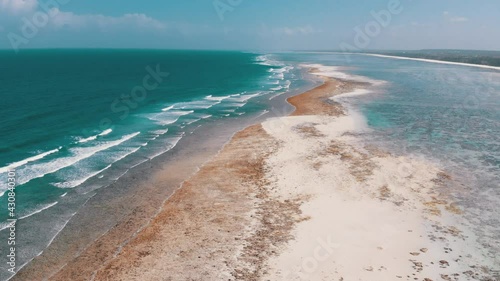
16,7
75,21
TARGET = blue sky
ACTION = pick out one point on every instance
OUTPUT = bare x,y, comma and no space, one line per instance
250,24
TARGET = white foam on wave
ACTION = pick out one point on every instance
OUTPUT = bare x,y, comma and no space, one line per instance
267,61
143,161
275,96
105,132
168,117
242,98
198,104
262,113
235,105
167,108
172,142
87,139
160,132
205,103
279,70
221,98
263,60
285,86
27,160
38,209
199,117
5,225
77,182
81,176
116,178
191,122
279,76
157,134
279,73
33,211
29,173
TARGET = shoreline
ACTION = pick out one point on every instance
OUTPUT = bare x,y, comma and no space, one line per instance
158,179
249,213
484,66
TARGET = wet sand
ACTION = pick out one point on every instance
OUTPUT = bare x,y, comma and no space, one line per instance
112,217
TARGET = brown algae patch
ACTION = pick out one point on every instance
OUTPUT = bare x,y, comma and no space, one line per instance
308,130
360,164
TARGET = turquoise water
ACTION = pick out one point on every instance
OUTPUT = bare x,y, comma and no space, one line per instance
68,114
445,113
75,121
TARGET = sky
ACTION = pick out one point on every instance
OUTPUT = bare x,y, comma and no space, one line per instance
276,25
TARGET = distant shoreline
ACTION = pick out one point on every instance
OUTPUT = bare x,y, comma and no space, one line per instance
422,59
433,61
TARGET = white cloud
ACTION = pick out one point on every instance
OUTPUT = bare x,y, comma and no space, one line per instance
18,6
458,19
418,24
71,20
303,30
14,9
454,19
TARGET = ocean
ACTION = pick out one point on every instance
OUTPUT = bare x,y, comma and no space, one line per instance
76,121
79,124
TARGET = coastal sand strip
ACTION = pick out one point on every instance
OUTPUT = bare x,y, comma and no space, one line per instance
221,225
302,198
372,215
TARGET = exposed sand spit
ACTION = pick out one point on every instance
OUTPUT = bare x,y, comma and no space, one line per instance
303,198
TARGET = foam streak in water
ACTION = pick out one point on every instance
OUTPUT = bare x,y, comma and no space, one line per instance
168,117
38,210
106,132
39,170
27,160
75,183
